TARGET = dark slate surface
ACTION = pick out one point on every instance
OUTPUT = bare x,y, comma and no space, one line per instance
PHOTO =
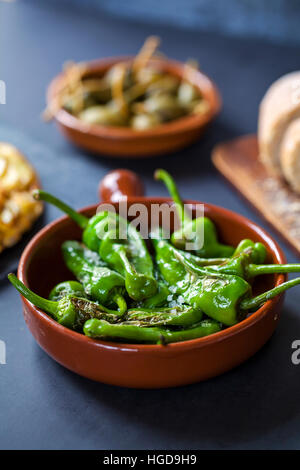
42,405
277,20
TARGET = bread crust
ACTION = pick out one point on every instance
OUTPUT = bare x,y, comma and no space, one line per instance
290,155
278,109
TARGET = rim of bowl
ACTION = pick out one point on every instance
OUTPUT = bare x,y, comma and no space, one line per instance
180,125
154,348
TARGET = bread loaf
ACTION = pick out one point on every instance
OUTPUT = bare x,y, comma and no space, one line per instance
290,155
279,108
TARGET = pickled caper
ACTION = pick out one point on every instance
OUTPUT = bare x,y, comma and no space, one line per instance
187,93
128,79
138,93
165,84
164,105
104,115
144,121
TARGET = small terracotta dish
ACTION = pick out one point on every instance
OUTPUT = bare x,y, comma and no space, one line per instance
126,142
134,365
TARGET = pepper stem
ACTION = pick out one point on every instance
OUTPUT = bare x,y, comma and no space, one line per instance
196,260
126,263
166,178
121,303
249,304
188,264
255,270
47,305
80,219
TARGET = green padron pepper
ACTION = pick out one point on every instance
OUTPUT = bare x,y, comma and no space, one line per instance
70,311
241,264
99,282
221,296
171,269
67,288
224,297
201,232
102,329
182,316
130,256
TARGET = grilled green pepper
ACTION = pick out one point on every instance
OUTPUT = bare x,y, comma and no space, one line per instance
219,295
200,231
99,282
256,252
131,258
171,269
69,311
158,299
209,292
240,265
128,255
67,288
183,316
225,297
103,330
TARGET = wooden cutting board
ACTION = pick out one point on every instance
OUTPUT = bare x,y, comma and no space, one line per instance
238,161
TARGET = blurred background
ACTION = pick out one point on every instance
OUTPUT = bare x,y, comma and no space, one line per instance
274,19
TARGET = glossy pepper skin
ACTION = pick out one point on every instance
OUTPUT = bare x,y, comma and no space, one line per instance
171,268
237,265
67,288
183,316
220,296
159,298
101,329
200,231
130,256
225,297
241,265
99,282
70,311
216,294
255,251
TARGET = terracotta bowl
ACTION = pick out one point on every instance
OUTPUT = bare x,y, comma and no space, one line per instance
125,142
144,366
